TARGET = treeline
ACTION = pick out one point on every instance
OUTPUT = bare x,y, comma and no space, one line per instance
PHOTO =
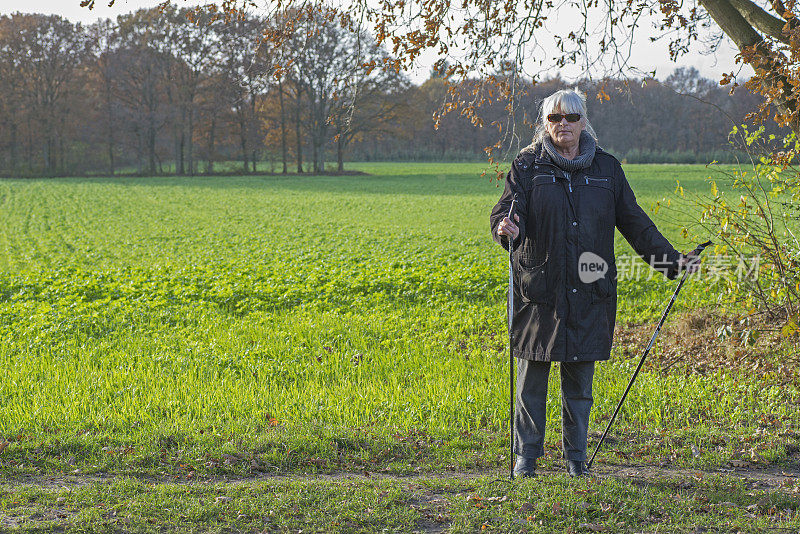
684,119
189,91
179,90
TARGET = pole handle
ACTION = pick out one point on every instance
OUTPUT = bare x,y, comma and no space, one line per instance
700,248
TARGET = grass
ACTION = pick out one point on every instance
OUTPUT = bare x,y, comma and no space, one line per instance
369,504
190,328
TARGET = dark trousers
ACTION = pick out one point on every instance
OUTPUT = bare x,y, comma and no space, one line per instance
531,415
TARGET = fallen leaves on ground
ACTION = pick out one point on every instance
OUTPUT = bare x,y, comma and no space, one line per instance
695,340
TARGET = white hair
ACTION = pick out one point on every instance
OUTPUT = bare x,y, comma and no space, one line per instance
566,100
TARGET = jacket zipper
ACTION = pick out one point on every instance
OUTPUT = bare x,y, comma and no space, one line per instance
595,179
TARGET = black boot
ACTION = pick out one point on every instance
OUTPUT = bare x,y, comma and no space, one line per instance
525,467
577,468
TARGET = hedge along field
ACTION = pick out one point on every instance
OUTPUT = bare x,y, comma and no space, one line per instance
134,308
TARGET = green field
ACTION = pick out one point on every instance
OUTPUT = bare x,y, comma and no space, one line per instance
209,326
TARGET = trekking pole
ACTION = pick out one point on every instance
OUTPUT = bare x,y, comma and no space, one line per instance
695,252
511,385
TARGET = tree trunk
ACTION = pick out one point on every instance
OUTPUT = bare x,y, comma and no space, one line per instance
314,154
314,132
111,167
140,151
110,125
13,147
190,142
731,21
181,168
151,148
29,148
61,152
48,153
340,153
297,134
211,145
284,148
252,128
243,141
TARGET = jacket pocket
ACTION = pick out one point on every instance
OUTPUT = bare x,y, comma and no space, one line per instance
598,181
533,282
542,179
605,287
595,196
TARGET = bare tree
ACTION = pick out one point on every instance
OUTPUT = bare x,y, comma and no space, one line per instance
245,59
194,46
369,101
12,93
531,37
140,73
45,53
103,35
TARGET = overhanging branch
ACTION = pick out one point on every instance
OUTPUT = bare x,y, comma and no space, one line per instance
761,20
732,23
748,40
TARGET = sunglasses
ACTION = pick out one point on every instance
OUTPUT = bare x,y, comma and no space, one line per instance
571,117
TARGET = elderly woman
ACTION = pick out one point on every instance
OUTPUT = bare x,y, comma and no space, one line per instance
570,195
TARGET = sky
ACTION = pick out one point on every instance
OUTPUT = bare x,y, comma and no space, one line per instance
646,55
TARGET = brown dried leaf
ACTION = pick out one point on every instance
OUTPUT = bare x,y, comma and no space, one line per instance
592,527
527,507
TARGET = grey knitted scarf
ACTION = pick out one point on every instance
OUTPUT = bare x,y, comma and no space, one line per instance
586,148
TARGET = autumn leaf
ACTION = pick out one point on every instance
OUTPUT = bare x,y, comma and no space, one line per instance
527,507
592,527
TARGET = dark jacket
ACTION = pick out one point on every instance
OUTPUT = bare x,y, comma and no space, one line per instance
564,311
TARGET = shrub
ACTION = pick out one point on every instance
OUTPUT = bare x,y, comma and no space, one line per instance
753,211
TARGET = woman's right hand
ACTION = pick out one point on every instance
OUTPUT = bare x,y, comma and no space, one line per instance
508,228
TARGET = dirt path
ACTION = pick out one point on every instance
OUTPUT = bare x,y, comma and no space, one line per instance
767,478
434,503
